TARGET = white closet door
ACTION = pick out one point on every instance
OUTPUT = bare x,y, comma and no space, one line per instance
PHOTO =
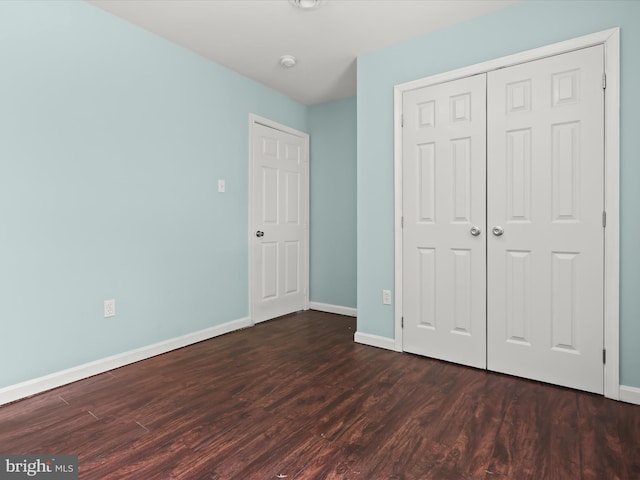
444,165
545,193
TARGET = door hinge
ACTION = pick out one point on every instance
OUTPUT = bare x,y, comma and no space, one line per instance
604,355
401,322
402,120
604,219
604,80
402,222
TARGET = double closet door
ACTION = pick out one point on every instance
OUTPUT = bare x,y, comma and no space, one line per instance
503,236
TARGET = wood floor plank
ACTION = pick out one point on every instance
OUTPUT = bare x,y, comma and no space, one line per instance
602,444
522,444
297,397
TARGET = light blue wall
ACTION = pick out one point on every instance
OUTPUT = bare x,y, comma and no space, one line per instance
333,203
111,144
520,27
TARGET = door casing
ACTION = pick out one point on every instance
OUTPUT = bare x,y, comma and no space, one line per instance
611,41
258,120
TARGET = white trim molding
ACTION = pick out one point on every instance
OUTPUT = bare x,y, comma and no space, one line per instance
64,377
612,208
375,341
610,39
326,307
630,394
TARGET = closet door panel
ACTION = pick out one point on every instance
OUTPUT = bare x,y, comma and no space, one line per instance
444,198
545,198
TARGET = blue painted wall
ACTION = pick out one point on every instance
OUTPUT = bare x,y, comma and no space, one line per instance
333,203
111,144
517,28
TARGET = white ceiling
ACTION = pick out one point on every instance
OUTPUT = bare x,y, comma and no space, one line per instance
250,36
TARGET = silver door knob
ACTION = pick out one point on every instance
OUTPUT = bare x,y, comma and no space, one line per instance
497,231
475,231
259,234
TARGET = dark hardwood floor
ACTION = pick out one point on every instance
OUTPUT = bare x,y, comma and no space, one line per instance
297,397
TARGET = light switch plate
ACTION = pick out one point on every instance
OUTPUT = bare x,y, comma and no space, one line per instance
221,186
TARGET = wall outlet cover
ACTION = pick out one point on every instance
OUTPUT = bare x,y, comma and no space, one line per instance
386,297
109,308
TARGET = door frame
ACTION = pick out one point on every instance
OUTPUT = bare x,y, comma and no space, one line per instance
611,41
258,120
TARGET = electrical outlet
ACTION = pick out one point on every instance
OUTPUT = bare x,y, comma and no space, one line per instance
222,186
386,297
109,308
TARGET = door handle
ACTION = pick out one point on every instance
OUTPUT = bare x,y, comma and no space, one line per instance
475,231
259,234
497,231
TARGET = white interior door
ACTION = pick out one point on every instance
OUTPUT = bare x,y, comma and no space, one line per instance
546,195
444,205
279,220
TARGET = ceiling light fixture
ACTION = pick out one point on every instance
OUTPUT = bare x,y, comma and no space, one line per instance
306,4
288,61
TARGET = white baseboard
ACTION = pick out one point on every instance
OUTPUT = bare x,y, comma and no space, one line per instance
63,377
325,307
375,341
630,394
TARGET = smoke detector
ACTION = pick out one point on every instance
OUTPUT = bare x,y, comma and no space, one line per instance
306,4
288,61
